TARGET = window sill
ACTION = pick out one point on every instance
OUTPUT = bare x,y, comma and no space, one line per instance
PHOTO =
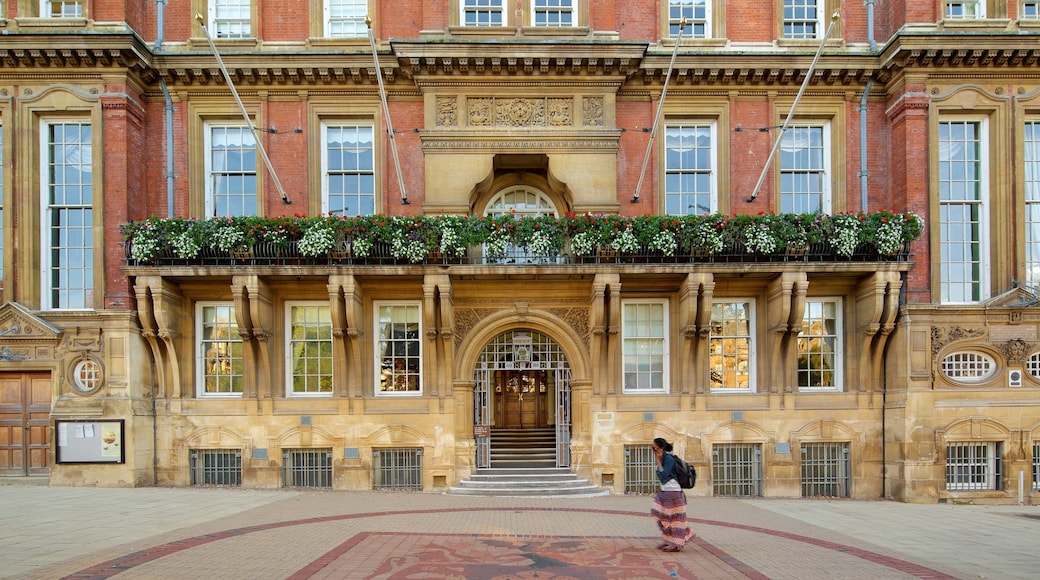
975,24
329,42
546,31
231,43
38,22
694,42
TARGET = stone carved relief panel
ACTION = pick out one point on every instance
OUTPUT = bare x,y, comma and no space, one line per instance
466,319
942,336
517,112
447,112
592,112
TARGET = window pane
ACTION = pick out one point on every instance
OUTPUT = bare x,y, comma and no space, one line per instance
553,13
346,18
220,347
399,348
689,155
696,14
232,171
801,19
482,13
232,18
961,211
730,346
819,346
644,346
350,170
70,215
310,349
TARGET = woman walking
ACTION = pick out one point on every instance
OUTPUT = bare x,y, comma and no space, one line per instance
669,510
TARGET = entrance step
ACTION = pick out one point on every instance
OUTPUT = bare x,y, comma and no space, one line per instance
523,464
508,482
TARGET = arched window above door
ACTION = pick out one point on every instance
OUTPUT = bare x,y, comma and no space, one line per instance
521,200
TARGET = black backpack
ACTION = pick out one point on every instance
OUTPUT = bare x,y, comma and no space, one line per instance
684,473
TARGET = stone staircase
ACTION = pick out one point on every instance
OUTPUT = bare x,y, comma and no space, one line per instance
523,464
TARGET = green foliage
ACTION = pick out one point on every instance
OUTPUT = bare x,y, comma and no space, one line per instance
414,237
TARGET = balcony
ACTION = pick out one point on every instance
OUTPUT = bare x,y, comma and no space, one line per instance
510,241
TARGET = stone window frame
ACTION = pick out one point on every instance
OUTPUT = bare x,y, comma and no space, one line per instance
200,117
289,341
677,111
324,113
377,348
839,347
751,339
663,339
818,112
200,377
970,359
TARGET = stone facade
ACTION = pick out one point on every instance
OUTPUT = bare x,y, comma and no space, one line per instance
565,115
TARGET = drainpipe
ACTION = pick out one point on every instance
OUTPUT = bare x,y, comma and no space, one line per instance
863,173
870,24
168,107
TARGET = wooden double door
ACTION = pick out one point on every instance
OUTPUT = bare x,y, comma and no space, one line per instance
521,399
25,410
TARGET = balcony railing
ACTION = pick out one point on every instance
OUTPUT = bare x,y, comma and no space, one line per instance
381,254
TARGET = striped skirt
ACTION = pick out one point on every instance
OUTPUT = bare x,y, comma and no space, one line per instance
669,511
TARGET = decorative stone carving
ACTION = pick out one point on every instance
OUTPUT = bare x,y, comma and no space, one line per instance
592,111
466,319
447,112
560,113
520,112
943,336
578,319
480,112
511,112
1015,350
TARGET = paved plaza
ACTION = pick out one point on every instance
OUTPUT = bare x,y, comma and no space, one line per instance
201,533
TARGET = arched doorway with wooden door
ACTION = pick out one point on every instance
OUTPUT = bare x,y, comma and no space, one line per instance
522,394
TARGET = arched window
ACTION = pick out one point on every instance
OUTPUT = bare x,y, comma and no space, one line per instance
522,202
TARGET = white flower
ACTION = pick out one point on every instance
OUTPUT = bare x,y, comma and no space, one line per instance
495,246
582,244
451,242
228,237
317,240
846,234
143,245
625,242
889,237
185,245
540,244
664,242
759,238
361,247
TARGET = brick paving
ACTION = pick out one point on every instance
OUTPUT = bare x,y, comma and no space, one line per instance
148,533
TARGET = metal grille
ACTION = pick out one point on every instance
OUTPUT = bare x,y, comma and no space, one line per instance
641,470
216,467
307,468
736,469
825,470
972,466
397,469
1036,466
523,349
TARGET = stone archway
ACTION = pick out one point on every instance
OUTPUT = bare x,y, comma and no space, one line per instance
522,381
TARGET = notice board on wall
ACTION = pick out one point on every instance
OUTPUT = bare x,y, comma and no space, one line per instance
82,441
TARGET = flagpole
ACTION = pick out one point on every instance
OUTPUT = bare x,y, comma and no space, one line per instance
794,105
245,114
386,112
657,115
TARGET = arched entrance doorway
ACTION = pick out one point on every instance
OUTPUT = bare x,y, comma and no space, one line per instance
522,382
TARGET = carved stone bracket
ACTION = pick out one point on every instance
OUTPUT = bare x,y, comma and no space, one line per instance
942,336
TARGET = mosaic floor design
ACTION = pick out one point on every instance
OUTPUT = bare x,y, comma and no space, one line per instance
423,556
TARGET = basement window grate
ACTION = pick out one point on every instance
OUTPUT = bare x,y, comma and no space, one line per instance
397,469
216,467
307,468
825,470
973,466
736,469
641,470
